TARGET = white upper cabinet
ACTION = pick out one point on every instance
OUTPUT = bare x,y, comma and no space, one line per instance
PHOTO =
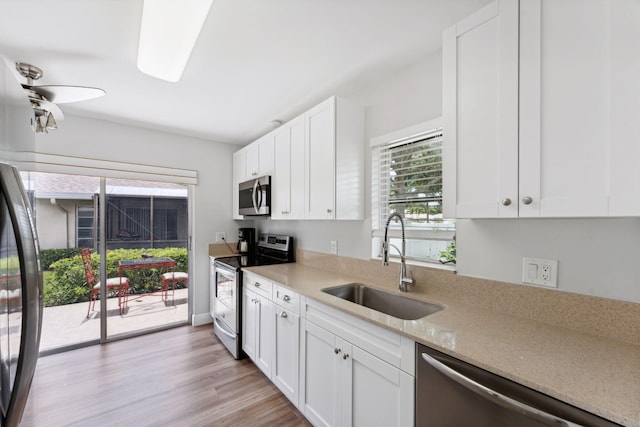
316,162
259,157
287,194
480,113
334,152
566,148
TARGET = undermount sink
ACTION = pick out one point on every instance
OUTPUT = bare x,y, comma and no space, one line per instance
385,302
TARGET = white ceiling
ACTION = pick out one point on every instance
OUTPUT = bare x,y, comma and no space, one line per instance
255,60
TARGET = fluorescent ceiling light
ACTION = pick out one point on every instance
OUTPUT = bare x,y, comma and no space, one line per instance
168,32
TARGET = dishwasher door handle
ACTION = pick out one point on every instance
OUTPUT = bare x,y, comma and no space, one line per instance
494,396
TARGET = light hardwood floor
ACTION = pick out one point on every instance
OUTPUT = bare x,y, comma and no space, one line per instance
179,377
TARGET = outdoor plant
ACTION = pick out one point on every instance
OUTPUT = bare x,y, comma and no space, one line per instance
67,283
449,254
49,256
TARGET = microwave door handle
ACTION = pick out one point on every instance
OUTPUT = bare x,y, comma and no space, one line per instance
254,195
260,196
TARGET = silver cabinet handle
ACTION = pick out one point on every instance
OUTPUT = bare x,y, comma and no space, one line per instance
506,201
257,284
336,350
494,396
284,315
345,356
286,298
527,200
329,211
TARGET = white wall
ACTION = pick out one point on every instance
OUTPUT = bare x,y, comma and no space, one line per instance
599,257
403,99
97,139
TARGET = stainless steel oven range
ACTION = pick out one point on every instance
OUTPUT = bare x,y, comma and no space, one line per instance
227,304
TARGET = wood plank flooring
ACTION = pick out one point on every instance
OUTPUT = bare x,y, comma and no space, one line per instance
179,377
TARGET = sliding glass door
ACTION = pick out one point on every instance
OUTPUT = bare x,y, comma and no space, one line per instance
143,221
146,233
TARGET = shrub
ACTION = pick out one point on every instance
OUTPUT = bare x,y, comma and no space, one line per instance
67,284
49,256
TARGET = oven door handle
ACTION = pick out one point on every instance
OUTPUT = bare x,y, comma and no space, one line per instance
222,329
494,396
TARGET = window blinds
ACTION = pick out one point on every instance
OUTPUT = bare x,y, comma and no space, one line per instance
407,178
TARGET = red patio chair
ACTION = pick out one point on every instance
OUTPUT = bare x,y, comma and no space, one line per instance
172,278
121,284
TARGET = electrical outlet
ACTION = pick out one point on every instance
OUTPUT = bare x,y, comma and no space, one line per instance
220,236
540,271
334,246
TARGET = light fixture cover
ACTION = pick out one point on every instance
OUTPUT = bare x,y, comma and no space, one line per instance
168,32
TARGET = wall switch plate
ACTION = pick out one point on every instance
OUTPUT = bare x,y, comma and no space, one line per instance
334,246
220,236
539,271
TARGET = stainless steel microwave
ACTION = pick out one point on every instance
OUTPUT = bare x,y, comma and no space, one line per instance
254,197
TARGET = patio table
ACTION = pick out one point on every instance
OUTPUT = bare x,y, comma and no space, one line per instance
166,264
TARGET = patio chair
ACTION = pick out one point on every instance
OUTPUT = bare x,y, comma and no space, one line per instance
121,284
172,278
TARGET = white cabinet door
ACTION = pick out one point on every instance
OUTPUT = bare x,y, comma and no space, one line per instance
343,385
258,330
249,322
266,154
572,56
320,382
320,161
288,187
286,362
376,392
252,160
480,113
624,126
265,335
281,182
259,157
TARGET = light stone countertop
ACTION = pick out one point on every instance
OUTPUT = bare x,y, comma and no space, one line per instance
595,373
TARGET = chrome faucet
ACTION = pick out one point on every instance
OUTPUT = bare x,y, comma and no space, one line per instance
404,281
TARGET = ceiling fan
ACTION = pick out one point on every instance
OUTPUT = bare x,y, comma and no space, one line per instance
44,99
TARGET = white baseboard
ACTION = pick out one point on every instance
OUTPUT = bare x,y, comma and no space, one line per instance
201,319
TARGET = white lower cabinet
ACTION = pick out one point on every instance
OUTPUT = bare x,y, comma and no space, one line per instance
344,385
285,365
258,330
336,369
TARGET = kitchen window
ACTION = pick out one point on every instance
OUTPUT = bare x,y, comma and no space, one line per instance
407,179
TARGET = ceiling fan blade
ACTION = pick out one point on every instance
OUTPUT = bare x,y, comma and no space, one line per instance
63,94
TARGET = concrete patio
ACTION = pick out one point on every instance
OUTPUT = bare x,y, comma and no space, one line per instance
68,324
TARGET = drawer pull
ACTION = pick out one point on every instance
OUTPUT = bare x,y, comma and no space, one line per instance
284,315
286,298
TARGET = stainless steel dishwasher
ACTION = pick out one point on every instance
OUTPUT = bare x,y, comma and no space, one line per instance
450,392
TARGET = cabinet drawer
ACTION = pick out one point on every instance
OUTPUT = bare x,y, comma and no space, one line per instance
286,298
258,284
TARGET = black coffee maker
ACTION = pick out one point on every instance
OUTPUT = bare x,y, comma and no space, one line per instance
246,241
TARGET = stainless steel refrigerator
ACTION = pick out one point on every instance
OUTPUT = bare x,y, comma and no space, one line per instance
21,299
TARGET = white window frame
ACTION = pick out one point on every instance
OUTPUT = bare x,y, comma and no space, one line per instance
411,233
